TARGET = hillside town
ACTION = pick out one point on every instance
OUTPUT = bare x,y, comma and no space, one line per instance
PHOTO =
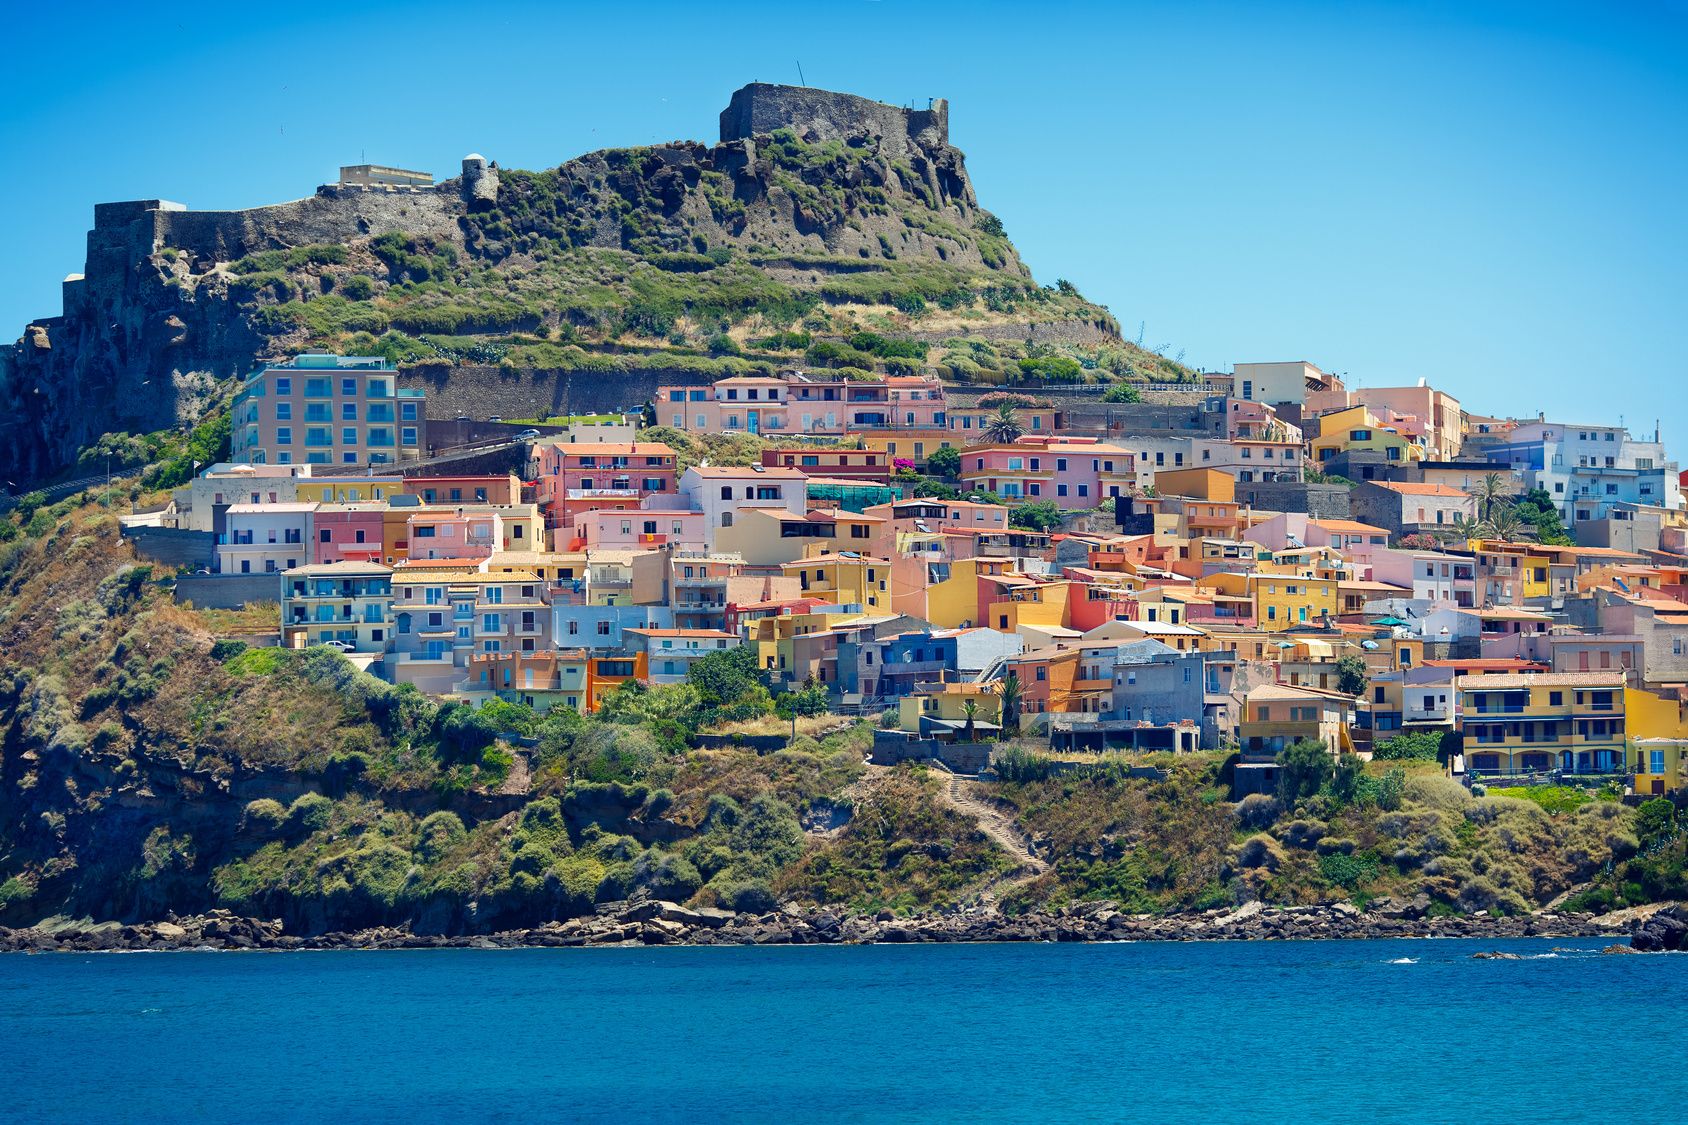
1265,560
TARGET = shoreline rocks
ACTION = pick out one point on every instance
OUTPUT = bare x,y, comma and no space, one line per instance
653,922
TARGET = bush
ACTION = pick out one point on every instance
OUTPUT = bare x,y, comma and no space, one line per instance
438,833
1122,392
1039,515
308,814
1257,810
1347,870
358,287
264,817
224,651
945,461
752,896
1420,746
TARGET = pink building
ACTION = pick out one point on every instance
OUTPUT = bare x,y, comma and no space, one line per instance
347,533
745,404
454,533
636,529
808,404
586,477
1072,472
504,488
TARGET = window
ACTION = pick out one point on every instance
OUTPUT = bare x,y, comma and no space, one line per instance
348,412
283,385
407,411
349,387
604,628
348,435
284,435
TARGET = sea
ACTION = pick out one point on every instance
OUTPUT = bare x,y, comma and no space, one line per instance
1297,1032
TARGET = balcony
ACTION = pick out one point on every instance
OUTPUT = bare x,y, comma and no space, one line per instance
602,493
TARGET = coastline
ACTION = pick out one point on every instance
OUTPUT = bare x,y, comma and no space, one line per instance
652,923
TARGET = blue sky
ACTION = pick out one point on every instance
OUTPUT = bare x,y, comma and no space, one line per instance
1485,195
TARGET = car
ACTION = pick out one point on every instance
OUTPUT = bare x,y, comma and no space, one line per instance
340,646
528,435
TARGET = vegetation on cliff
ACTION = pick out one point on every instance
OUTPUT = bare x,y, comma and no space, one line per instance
150,762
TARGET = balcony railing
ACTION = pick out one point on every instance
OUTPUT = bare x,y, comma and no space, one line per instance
601,493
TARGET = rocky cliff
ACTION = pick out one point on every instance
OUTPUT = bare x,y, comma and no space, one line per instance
810,200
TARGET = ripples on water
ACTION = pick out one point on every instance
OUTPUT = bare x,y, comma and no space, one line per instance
1297,1032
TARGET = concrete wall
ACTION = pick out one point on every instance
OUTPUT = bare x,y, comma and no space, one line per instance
173,547
891,747
227,591
483,391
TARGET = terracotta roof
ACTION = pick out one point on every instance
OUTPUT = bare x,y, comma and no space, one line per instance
1407,488
1611,679
744,471
1490,664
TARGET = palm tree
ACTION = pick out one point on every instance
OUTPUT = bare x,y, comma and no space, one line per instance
1488,492
1004,427
970,708
1011,696
1465,527
1504,523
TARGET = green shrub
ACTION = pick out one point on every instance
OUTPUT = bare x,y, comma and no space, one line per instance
264,817
309,813
1347,870
224,651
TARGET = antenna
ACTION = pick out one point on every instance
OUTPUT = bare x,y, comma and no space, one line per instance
801,81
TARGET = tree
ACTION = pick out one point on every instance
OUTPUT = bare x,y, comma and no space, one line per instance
969,708
945,461
1121,392
1504,523
1352,676
1039,515
1536,507
1012,694
723,677
810,699
1655,823
1490,493
1004,426
1413,746
1304,767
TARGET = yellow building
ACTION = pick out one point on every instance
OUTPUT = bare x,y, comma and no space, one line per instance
1281,601
1658,730
1021,601
1199,484
1358,429
946,707
1512,571
910,444
1525,724
847,579
766,536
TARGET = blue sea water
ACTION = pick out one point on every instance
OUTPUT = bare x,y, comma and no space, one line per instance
1298,1032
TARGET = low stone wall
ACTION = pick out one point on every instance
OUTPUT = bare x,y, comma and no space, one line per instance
891,747
227,591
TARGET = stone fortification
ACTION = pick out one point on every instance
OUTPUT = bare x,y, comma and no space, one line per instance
822,115
156,323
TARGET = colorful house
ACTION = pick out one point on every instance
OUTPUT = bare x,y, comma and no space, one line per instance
1072,473
836,464
590,476
1531,724
349,602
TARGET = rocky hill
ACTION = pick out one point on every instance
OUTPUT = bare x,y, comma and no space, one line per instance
816,216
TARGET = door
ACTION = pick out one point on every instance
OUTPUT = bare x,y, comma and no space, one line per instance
753,421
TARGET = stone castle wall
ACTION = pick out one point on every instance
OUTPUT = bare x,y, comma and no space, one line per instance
760,108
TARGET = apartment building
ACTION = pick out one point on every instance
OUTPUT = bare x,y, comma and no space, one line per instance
326,410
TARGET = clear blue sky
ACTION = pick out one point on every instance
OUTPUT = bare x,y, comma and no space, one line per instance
1487,195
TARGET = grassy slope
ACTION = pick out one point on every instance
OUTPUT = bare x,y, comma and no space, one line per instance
143,768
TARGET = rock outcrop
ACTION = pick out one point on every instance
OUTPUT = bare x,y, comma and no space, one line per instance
667,923
157,322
